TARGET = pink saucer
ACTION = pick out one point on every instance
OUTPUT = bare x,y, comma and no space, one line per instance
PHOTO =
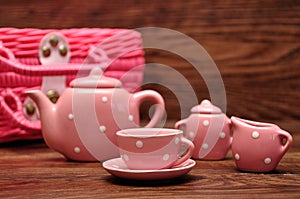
118,168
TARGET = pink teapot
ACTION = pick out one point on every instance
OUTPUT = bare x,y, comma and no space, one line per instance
209,129
82,124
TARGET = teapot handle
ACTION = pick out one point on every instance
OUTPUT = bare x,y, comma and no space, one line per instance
156,98
285,135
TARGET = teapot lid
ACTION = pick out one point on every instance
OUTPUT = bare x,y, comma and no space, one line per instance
95,79
206,107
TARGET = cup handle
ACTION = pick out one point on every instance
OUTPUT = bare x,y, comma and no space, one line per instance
230,129
289,139
180,123
156,98
190,148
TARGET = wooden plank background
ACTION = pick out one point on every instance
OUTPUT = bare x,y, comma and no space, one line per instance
255,44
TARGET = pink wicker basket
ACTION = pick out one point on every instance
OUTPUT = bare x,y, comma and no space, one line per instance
121,56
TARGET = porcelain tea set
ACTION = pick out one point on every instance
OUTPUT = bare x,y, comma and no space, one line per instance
97,120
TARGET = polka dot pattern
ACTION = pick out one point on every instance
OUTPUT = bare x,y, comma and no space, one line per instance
255,134
71,116
102,128
77,150
222,135
192,134
205,146
130,118
177,140
139,144
104,99
205,123
126,158
166,157
267,160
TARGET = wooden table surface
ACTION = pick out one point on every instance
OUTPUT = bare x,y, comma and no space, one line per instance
32,170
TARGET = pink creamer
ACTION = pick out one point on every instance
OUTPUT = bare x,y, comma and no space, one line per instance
258,146
209,129
82,125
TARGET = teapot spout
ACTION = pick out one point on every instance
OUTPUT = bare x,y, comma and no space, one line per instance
47,112
45,106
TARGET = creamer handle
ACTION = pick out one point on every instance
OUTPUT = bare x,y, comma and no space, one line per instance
289,139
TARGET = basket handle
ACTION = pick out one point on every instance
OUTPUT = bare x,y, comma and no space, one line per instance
102,55
9,63
17,116
42,70
6,53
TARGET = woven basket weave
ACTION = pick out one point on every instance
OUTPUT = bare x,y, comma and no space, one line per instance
20,68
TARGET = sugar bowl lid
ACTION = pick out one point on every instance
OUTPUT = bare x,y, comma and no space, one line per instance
206,107
96,79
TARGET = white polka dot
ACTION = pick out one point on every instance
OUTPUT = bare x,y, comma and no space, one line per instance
205,123
130,118
255,134
205,146
77,150
166,157
192,134
267,160
104,99
71,116
177,140
222,135
125,157
139,144
102,128
237,156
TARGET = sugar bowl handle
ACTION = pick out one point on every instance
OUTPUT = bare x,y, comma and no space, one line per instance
180,123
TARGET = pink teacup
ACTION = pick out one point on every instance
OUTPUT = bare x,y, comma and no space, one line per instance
153,148
257,146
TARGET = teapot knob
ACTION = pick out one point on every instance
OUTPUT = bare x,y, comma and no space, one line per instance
53,95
